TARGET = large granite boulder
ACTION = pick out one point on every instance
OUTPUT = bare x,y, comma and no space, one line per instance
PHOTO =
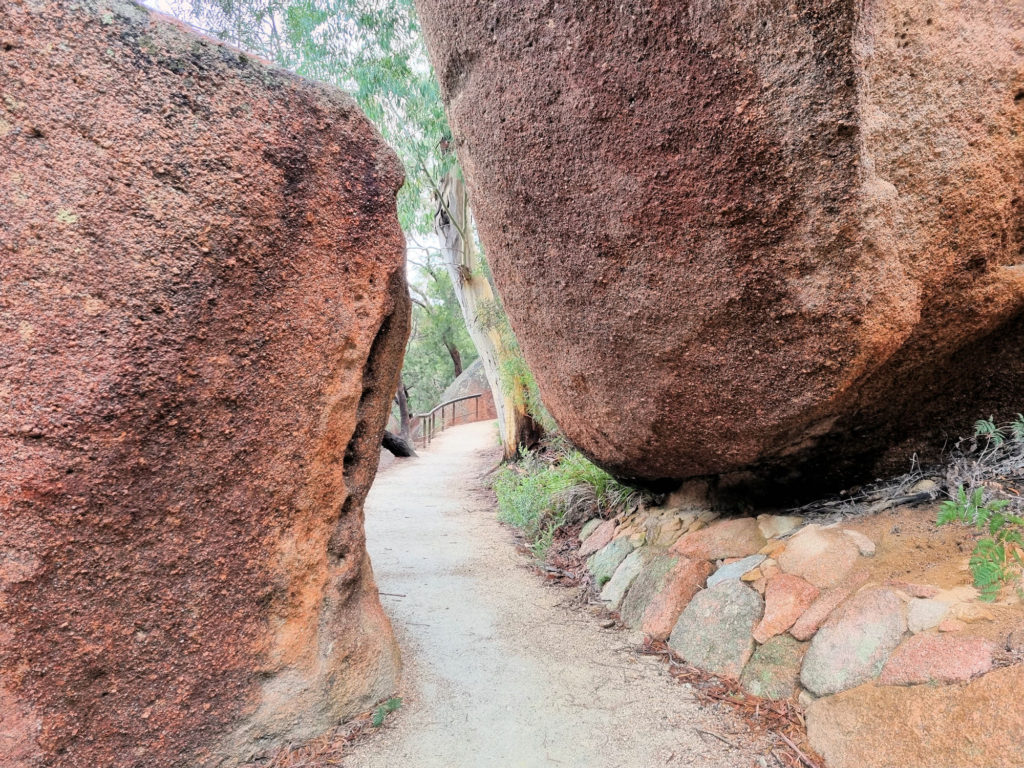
202,317
729,235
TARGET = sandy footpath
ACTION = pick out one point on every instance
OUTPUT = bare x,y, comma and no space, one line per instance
499,671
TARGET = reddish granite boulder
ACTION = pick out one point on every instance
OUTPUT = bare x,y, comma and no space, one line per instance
824,557
684,581
202,317
472,381
599,538
738,537
853,645
830,599
733,237
786,597
938,659
977,725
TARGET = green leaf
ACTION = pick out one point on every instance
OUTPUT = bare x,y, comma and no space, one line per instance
984,427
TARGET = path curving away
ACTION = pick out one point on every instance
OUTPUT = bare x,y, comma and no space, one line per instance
499,671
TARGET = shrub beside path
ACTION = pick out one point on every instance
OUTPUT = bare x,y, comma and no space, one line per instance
498,669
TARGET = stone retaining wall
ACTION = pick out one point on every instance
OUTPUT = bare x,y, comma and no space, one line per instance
794,609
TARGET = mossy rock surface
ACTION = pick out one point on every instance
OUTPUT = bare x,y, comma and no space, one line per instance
774,669
646,585
604,562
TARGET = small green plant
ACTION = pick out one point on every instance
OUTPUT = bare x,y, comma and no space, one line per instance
539,497
384,710
997,435
997,557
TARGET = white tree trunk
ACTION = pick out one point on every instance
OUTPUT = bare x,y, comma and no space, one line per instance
452,224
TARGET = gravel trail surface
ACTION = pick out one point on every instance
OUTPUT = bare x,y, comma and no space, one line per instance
499,670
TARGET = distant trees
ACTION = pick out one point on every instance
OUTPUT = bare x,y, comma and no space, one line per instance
439,347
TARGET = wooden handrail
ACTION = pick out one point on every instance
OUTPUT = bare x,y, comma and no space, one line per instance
428,420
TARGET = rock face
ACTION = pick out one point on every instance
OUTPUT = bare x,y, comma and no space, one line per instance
473,381
202,317
776,216
922,726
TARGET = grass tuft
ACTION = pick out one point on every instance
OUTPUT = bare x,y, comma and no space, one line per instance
539,497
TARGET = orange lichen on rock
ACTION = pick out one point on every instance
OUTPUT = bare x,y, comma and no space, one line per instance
203,313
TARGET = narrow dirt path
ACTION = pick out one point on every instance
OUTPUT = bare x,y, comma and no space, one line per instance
499,672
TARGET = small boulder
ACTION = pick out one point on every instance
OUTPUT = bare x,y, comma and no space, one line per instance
774,526
588,528
805,698
925,591
923,614
786,597
715,631
691,495
773,548
774,670
599,538
623,577
927,485
645,586
735,570
971,612
1015,641
951,625
938,659
671,529
853,645
828,601
604,562
684,581
736,537
822,556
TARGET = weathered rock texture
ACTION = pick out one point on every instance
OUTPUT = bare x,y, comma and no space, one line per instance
202,315
730,234
979,725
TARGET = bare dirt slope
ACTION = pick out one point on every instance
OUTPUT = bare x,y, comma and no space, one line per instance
499,671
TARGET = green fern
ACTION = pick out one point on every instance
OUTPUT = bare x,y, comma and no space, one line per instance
985,427
988,562
1017,427
988,567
